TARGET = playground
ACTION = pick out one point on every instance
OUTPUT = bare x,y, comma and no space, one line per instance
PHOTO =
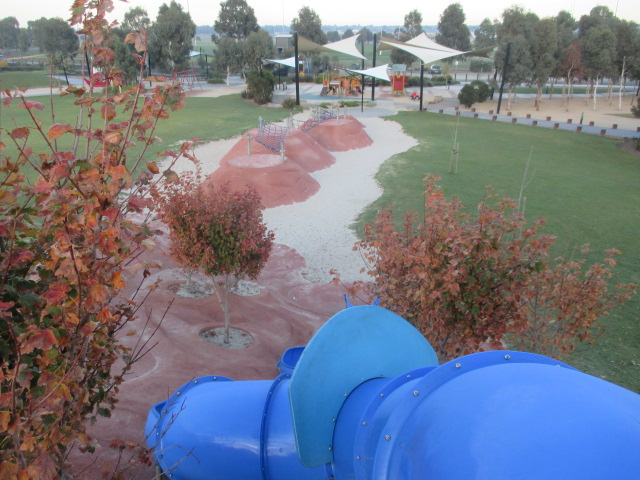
311,203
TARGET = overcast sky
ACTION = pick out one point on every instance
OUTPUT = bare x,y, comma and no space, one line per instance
333,12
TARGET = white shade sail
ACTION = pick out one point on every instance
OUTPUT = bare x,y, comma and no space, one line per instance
377,72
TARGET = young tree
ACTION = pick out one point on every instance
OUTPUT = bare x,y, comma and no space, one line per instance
236,20
516,28
308,25
412,28
470,282
565,36
543,46
67,243
571,68
452,31
217,231
9,33
229,57
598,54
136,19
173,31
55,38
485,35
256,48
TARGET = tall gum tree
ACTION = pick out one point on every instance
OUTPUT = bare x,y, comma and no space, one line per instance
452,30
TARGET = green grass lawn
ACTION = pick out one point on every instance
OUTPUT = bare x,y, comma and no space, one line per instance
12,80
206,119
584,186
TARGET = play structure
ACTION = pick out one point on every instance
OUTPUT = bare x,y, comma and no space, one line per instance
366,399
398,79
187,78
343,85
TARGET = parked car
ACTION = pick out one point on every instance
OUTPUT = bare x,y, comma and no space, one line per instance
435,70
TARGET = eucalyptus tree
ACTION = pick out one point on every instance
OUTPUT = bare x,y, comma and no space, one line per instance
485,35
236,20
543,45
411,28
308,25
452,30
173,32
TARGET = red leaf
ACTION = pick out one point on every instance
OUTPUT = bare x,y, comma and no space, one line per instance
21,132
43,341
27,105
58,129
56,293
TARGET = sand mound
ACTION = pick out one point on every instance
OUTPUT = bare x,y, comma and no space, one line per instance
306,152
341,135
281,184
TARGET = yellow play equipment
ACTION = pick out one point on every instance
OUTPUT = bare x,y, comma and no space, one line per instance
340,85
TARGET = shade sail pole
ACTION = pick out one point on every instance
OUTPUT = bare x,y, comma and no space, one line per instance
297,74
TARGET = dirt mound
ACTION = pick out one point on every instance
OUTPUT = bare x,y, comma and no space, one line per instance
277,184
306,152
341,135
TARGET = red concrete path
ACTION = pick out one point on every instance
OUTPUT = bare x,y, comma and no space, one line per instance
286,313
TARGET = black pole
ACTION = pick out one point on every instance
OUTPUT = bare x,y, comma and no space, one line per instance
421,83
362,76
504,74
297,76
86,57
373,79
495,75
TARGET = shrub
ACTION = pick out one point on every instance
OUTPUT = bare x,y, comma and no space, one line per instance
476,91
468,96
289,103
481,66
68,243
260,86
635,110
483,90
471,281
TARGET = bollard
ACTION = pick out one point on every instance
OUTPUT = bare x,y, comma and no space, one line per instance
615,126
494,118
528,115
569,120
591,124
490,112
514,120
458,112
509,114
548,119
248,145
603,132
556,126
440,111
475,115
578,128
534,123
473,109
282,150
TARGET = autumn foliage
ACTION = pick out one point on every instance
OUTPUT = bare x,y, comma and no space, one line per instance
68,242
485,280
217,231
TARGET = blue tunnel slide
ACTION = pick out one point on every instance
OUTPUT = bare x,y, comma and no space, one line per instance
366,399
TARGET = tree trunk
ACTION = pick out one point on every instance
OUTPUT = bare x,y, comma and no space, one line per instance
595,92
228,76
622,81
538,97
553,84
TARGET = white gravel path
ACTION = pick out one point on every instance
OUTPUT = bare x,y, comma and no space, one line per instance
319,228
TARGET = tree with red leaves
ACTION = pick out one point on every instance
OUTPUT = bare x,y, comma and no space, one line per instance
217,231
485,281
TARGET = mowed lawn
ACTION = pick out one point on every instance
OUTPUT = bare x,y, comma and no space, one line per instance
586,188
203,118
